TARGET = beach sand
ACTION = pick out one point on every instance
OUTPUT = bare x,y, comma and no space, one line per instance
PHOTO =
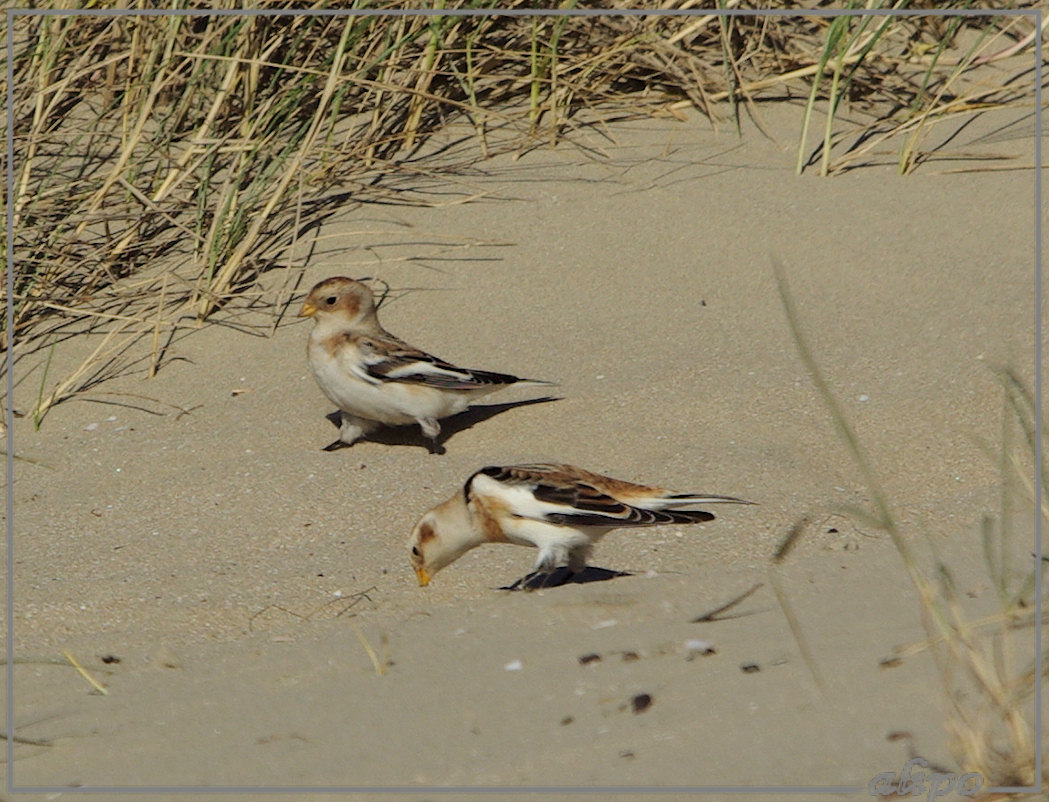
187,541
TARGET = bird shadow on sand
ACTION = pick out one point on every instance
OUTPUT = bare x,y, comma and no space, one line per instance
562,576
451,426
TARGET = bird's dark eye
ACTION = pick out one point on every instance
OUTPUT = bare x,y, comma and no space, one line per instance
416,552
330,300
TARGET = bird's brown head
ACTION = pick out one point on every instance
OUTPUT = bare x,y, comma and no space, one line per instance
423,545
443,535
342,297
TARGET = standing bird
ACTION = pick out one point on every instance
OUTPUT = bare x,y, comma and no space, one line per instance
560,509
375,378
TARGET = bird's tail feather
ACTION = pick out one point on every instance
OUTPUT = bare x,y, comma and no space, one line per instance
688,499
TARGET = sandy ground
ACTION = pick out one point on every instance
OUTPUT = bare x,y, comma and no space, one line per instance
234,570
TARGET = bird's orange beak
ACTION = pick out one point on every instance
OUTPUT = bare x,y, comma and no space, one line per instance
307,309
423,575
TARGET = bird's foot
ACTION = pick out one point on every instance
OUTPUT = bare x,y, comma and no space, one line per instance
335,446
538,580
351,429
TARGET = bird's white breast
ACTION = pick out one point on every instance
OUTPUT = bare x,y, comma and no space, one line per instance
342,378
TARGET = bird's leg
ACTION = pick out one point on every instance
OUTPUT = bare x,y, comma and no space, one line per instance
578,557
431,428
554,566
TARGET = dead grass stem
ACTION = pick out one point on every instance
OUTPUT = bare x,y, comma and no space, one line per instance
164,164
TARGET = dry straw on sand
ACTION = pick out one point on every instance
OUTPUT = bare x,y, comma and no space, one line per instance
165,164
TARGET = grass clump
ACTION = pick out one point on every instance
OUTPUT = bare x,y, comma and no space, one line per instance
165,164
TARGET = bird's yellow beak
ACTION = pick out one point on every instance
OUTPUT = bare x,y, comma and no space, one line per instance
424,576
307,310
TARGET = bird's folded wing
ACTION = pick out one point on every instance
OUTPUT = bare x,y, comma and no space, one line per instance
544,493
396,361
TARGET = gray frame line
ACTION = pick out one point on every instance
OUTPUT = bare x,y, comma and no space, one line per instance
9,322
1038,478
11,14
518,12
439,789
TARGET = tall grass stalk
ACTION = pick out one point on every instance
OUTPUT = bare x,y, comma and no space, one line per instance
908,154
990,722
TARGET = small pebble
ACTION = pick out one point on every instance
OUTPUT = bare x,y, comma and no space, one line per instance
514,665
641,703
567,720
630,657
593,657
749,668
91,427
696,647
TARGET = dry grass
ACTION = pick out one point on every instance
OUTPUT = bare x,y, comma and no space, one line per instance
987,667
165,164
